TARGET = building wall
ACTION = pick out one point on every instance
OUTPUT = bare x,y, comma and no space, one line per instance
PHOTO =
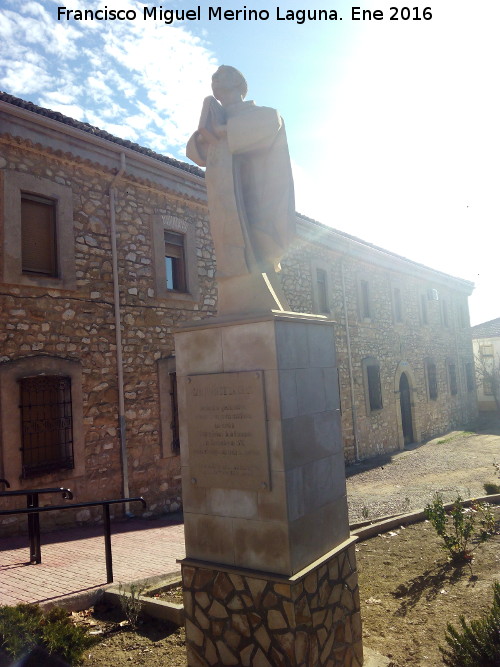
44,326
397,346
487,356
69,323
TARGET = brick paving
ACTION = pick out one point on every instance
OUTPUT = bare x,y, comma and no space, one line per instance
73,560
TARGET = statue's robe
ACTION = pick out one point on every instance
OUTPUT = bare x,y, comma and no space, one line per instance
249,186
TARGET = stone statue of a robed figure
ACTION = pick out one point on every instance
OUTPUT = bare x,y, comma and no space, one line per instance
250,194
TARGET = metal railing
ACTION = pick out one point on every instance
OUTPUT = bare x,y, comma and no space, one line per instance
33,519
107,522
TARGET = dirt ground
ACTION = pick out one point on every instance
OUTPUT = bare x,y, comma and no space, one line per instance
409,592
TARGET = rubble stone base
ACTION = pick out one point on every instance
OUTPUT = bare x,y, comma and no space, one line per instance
238,617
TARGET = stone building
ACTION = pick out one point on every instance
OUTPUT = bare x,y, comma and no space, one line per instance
486,345
105,247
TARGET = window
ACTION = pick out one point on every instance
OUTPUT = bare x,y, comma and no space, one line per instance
38,235
169,408
432,386
487,386
46,424
486,350
364,300
373,387
322,290
452,374
175,264
174,406
469,376
397,305
175,259
444,314
423,309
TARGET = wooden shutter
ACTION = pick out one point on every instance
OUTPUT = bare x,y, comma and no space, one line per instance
38,235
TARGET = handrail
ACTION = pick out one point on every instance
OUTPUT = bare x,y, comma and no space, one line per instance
67,493
107,523
33,519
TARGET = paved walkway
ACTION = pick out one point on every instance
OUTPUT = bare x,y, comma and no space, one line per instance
73,560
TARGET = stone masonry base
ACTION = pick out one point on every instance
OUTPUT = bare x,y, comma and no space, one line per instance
242,617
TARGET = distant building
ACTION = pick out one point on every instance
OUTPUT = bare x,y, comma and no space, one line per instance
105,248
486,344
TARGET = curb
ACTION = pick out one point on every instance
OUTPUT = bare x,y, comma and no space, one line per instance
365,532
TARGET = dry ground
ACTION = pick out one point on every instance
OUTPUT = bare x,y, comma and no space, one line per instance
409,592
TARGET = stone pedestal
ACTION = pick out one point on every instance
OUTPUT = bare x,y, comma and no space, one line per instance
264,493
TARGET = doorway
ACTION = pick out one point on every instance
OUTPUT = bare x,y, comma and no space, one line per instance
406,414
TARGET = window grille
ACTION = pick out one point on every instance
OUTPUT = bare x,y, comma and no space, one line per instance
46,424
38,235
174,425
175,265
398,306
452,370
432,380
423,309
365,299
321,282
469,376
374,387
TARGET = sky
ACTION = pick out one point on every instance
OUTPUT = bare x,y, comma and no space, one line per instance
393,125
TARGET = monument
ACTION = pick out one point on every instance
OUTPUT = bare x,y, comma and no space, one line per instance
270,571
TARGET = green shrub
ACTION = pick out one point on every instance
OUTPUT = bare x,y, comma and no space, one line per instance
131,603
25,626
476,644
455,527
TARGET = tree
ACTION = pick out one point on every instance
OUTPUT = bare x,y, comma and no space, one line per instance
488,373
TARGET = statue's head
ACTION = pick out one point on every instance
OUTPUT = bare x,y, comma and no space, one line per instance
228,79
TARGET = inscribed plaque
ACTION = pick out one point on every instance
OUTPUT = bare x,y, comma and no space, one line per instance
227,431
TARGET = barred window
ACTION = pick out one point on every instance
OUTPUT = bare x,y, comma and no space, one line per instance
432,385
46,424
365,305
174,424
469,376
374,387
322,290
398,305
452,371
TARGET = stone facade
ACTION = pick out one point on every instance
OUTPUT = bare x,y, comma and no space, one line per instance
115,200
239,618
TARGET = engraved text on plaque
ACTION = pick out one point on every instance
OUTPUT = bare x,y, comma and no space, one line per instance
227,431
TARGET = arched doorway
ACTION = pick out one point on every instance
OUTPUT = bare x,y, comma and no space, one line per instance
405,403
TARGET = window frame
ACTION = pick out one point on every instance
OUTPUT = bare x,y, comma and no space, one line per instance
38,422
10,422
169,419
397,305
161,224
452,378
365,307
431,380
373,385
14,185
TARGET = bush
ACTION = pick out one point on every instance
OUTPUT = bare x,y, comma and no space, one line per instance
26,626
476,644
455,527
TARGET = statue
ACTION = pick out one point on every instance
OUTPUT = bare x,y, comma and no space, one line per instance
250,194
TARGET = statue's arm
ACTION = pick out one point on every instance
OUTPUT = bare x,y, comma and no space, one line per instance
255,130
